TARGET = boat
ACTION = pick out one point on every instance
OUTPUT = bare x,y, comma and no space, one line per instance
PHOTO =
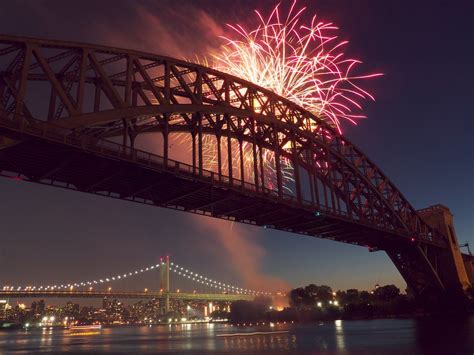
251,333
84,328
9,326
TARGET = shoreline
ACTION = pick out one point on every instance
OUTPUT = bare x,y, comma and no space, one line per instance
19,326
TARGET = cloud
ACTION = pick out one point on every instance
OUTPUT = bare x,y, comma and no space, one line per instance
245,255
182,32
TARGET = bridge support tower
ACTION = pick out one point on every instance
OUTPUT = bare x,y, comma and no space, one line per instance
454,273
469,264
165,285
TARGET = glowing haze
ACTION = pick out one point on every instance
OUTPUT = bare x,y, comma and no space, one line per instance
303,62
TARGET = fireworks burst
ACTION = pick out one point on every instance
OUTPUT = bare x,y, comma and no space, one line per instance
304,63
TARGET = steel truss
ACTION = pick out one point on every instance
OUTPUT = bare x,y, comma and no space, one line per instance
71,115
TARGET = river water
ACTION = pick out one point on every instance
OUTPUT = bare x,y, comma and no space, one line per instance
380,336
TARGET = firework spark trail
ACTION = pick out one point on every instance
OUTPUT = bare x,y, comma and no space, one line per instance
210,161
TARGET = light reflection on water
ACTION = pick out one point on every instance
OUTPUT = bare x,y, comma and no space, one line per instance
255,343
387,336
341,345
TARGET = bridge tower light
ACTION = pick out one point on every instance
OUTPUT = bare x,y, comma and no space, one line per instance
165,284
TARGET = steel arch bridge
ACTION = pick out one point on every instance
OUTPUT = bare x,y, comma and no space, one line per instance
165,132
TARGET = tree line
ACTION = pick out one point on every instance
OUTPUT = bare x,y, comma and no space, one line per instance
320,302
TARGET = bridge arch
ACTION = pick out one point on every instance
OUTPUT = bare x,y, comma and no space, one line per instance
92,95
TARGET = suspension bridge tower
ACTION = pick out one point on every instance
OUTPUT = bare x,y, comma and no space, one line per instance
165,285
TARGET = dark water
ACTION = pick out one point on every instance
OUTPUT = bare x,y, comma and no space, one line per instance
382,336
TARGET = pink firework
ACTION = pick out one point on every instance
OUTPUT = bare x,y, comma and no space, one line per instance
304,63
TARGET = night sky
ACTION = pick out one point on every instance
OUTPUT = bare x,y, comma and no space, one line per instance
419,132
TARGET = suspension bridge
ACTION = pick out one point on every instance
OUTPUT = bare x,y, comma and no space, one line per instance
156,130
91,289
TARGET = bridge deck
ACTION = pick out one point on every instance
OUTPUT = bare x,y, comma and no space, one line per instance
41,153
135,295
